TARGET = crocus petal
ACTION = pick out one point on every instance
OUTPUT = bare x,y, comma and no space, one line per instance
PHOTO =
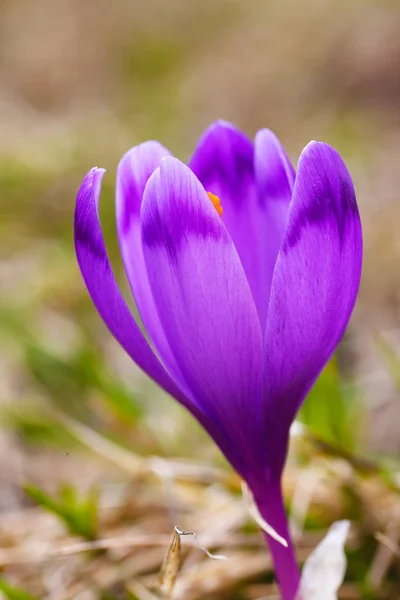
205,304
275,177
98,276
314,287
224,163
134,170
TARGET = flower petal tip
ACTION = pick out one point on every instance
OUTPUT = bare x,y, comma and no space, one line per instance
223,123
323,165
166,161
97,171
86,213
265,132
98,174
220,127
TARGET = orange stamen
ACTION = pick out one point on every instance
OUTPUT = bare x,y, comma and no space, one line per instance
216,202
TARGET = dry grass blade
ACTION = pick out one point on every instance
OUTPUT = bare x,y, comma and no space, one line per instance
128,461
386,541
202,548
384,555
140,592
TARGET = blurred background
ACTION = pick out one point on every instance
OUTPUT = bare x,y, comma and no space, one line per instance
89,448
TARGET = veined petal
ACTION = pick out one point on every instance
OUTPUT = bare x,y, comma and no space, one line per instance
274,172
226,164
98,276
314,287
205,304
134,170
275,177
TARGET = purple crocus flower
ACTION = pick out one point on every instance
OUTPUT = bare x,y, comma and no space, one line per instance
245,274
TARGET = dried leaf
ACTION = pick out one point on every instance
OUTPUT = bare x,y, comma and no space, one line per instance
254,512
170,566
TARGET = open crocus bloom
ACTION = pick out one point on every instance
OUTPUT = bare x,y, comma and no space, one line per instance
245,274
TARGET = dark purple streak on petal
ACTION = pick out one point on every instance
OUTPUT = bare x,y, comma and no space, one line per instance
205,306
313,291
100,282
98,276
134,170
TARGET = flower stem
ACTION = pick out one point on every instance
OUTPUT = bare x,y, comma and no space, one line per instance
270,504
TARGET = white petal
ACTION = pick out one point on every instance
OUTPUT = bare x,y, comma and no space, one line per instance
324,570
